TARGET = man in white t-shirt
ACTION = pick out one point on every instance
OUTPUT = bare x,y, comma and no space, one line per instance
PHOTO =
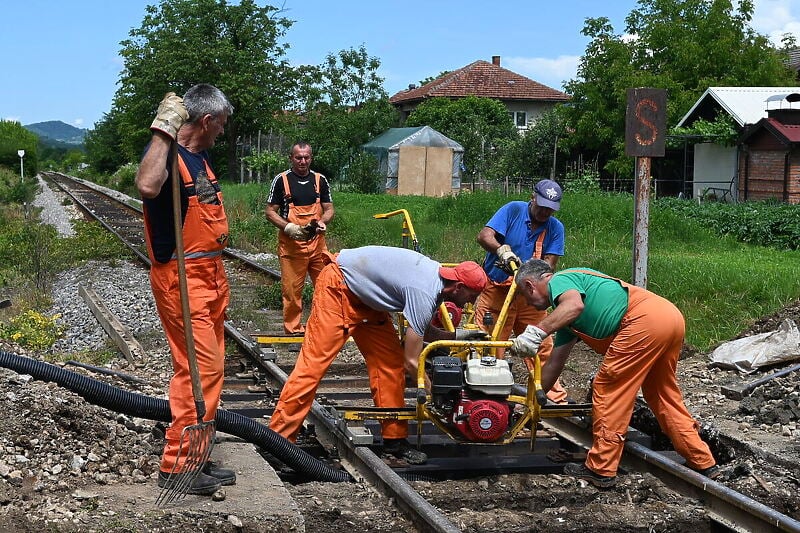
354,296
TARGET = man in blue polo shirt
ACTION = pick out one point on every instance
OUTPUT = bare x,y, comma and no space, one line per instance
520,231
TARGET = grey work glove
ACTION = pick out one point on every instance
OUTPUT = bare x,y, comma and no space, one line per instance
463,334
505,257
527,343
170,116
296,232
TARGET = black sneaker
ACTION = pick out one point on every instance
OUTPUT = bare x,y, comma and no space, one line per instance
712,472
225,476
401,449
581,472
203,484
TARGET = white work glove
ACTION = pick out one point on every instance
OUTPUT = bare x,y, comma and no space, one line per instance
296,232
527,343
463,334
505,257
170,116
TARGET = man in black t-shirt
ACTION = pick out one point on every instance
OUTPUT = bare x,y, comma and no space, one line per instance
300,206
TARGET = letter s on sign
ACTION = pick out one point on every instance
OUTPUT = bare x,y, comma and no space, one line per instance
643,120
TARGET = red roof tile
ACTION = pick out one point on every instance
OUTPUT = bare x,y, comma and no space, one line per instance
484,79
791,132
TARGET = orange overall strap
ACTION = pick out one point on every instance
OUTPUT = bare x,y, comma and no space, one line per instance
537,250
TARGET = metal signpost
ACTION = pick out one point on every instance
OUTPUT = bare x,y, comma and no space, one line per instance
21,154
645,135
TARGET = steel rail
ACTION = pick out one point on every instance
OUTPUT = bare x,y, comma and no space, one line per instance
61,179
360,460
727,507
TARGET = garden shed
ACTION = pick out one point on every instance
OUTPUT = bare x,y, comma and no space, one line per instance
418,161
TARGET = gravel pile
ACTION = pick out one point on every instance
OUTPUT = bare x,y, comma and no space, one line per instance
775,404
124,288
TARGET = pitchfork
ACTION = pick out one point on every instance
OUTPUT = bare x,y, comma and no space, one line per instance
197,439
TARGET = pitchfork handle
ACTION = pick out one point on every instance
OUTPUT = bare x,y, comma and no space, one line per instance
197,388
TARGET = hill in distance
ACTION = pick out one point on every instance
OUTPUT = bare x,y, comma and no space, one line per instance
57,132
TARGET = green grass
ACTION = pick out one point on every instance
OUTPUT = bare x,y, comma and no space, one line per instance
721,285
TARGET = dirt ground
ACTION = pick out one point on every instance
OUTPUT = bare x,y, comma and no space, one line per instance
57,453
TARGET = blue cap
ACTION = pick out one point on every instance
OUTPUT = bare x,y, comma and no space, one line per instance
548,194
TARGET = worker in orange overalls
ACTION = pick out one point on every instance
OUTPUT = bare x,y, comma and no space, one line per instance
639,334
300,206
194,122
354,296
519,231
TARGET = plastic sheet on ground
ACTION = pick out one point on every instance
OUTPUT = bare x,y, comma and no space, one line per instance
750,353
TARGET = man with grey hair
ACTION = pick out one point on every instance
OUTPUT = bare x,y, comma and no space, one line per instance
639,334
193,123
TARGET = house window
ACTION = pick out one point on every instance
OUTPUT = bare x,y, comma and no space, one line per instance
519,118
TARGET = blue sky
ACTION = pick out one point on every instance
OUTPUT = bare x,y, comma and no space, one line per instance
60,60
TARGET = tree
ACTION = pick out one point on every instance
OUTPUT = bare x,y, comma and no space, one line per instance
432,78
480,125
14,137
532,154
683,46
235,47
104,145
349,79
343,105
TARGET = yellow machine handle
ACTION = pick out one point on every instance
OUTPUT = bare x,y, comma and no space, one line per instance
408,227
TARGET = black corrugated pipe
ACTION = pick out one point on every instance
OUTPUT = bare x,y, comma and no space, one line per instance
134,404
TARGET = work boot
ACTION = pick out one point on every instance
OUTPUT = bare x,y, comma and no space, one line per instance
224,476
203,484
580,471
401,449
712,472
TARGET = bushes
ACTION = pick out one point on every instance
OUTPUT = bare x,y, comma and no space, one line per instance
772,224
32,330
14,190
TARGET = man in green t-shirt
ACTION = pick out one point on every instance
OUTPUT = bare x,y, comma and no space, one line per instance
639,334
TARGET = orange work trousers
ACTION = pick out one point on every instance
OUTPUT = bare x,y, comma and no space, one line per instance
642,354
298,259
518,317
337,314
208,299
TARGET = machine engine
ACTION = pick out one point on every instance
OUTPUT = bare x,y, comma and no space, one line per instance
471,396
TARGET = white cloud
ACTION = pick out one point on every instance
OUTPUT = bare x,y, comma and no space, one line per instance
774,18
78,122
13,119
549,71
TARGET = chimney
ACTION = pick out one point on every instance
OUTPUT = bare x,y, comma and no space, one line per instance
786,116
496,60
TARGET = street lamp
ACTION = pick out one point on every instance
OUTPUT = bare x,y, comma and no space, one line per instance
21,154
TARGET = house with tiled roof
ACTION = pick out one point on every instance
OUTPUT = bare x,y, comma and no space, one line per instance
524,98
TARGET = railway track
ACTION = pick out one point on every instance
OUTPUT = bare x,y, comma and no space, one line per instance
255,379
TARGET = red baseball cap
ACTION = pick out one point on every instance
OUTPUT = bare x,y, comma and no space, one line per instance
469,273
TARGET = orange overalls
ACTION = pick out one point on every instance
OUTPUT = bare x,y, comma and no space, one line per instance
336,314
298,258
205,234
518,317
643,353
